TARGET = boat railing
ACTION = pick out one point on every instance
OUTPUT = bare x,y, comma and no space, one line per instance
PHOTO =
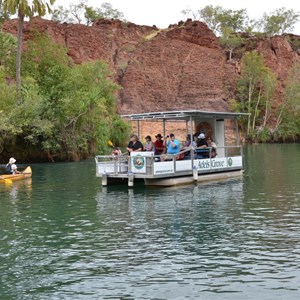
112,163
122,164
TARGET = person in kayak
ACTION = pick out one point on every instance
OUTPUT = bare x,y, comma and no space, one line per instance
11,167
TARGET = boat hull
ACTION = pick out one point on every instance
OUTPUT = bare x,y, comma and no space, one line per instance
14,177
172,181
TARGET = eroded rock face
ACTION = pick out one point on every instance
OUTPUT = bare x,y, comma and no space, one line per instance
170,74
279,56
181,67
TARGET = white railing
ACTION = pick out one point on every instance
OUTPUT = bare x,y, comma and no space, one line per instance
122,164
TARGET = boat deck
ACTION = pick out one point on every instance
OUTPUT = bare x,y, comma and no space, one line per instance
146,166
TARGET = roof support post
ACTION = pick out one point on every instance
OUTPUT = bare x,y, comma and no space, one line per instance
138,128
192,153
237,132
164,128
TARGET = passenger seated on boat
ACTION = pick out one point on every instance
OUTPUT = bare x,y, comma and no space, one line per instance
159,145
202,144
11,167
187,145
149,144
134,145
188,142
116,151
213,146
195,139
173,147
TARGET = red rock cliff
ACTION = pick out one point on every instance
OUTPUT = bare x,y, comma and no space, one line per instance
181,67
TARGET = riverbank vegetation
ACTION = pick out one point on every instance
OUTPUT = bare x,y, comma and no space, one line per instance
66,111
268,120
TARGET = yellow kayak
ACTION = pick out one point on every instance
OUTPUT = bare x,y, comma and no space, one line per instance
25,174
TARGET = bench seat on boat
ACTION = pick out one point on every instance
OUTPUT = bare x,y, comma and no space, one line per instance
199,153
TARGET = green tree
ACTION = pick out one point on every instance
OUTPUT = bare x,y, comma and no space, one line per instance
218,18
109,12
78,108
82,13
3,15
269,84
234,20
189,13
8,46
105,11
67,110
73,14
280,21
61,15
24,8
255,87
288,113
230,41
210,15
77,11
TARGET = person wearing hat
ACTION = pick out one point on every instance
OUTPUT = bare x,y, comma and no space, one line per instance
159,145
11,167
201,142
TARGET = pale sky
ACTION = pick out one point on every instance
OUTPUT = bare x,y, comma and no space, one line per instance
162,13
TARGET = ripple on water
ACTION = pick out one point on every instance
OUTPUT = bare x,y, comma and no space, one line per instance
237,239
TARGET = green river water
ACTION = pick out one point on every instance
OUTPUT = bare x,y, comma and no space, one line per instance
63,236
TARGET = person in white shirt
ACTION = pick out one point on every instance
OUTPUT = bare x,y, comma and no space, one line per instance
11,167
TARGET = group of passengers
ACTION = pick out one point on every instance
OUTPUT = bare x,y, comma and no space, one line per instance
170,145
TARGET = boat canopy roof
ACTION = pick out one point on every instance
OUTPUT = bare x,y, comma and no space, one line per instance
183,115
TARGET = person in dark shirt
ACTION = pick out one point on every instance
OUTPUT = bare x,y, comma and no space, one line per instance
201,144
134,145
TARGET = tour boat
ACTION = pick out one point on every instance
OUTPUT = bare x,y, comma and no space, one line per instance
151,170
8,178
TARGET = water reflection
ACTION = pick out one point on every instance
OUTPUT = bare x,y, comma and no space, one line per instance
66,237
13,188
203,237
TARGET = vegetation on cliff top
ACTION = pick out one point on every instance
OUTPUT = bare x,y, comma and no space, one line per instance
218,19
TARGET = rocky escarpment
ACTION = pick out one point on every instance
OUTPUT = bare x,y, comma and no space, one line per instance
182,67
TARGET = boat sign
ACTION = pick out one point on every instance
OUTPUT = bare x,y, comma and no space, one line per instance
219,163
139,161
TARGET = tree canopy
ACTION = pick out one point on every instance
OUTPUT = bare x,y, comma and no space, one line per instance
256,88
218,18
288,113
280,21
81,13
24,8
3,14
67,111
